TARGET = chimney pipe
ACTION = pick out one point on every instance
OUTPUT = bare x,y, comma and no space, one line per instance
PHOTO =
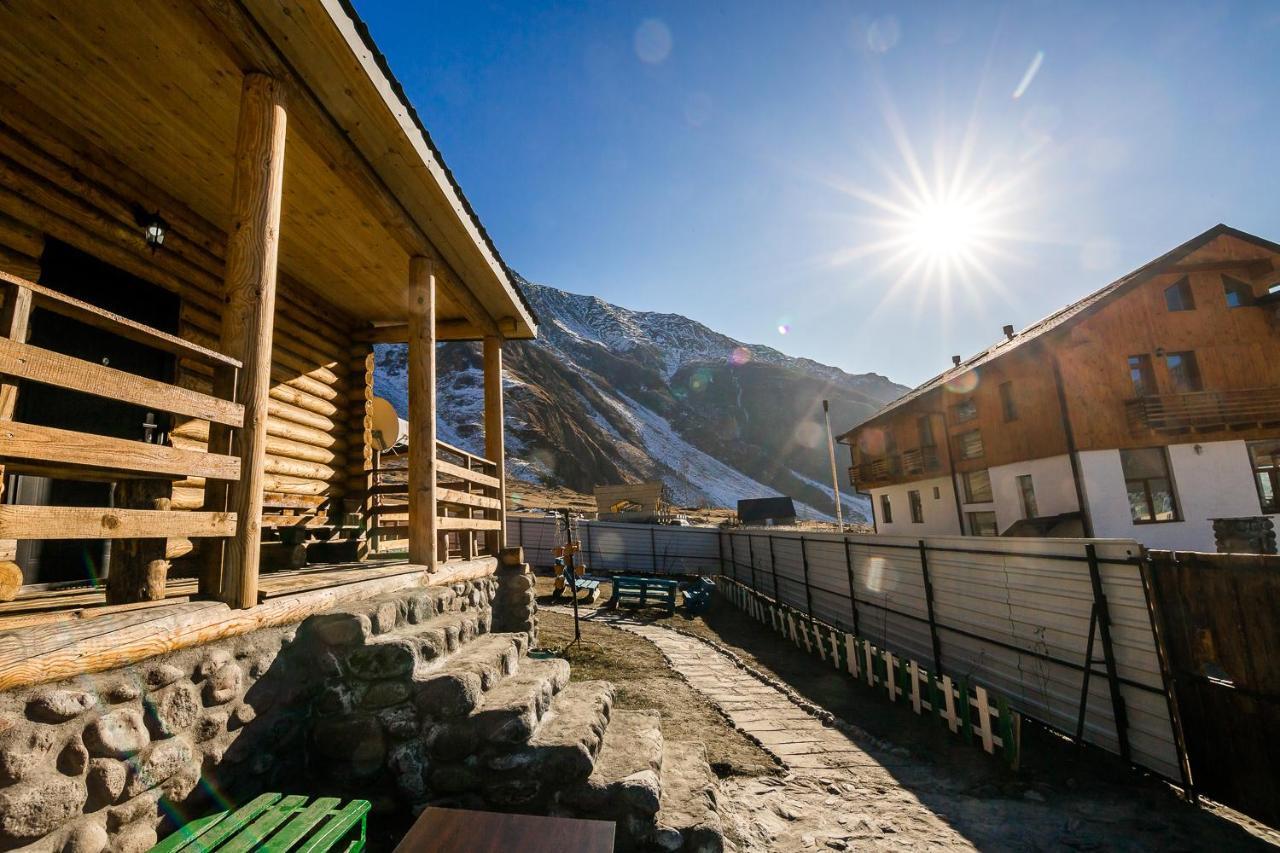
955,359
1008,332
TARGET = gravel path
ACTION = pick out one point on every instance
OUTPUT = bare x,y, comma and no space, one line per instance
846,790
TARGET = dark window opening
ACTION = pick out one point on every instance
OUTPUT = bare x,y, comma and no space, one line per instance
1238,293
969,444
1007,406
925,425
1178,296
983,524
1264,456
1184,372
886,510
1027,496
917,508
965,410
1142,376
1149,484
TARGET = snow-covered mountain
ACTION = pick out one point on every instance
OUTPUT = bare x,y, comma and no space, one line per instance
610,395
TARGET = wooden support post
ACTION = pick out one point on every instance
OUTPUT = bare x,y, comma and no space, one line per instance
15,318
494,442
248,318
139,567
423,533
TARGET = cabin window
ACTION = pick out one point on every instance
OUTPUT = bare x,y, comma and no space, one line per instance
1177,296
1184,372
886,510
1007,405
917,507
1238,293
977,487
1265,458
937,493
1027,496
925,425
983,524
965,410
1142,376
970,444
1149,484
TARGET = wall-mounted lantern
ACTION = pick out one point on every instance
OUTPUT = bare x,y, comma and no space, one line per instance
154,227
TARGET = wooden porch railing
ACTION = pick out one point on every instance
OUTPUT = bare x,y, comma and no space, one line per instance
68,454
882,470
1204,410
468,507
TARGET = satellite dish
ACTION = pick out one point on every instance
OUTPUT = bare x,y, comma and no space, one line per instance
389,429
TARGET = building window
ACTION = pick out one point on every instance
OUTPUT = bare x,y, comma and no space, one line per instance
1027,496
983,524
1150,488
937,493
965,410
1265,458
925,425
1184,372
1142,376
1006,402
917,507
977,487
1238,293
1177,296
886,510
969,444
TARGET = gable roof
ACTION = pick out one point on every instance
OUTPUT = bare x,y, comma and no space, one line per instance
1066,316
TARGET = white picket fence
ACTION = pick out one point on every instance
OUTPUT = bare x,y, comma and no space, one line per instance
1060,627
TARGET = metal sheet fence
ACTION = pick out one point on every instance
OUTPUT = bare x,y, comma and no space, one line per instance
1062,627
1025,617
618,547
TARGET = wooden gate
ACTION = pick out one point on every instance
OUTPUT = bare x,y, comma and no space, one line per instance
1220,616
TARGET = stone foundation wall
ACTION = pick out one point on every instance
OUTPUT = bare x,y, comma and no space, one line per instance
98,762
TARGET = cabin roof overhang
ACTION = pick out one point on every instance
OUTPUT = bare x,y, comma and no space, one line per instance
151,89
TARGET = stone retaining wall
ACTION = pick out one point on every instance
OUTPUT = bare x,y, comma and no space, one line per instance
97,762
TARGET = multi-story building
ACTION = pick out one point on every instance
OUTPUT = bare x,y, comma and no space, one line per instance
1145,411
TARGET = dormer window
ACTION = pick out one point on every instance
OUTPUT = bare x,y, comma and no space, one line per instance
1177,296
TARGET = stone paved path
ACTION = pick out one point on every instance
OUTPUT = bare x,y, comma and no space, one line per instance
845,790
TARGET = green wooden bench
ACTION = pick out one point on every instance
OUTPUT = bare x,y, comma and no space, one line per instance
276,823
632,589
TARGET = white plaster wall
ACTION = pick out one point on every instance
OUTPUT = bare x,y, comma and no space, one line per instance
1050,477
939,513
1215,483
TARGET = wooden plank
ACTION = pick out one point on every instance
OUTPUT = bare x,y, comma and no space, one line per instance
457,829
53,368
453,496
91,315
494,430
65,522
984,718
249,285
423,531
448,468
64,448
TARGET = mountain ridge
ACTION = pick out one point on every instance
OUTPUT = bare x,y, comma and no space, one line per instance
608,394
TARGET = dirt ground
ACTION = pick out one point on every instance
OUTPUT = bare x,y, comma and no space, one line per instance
1077,798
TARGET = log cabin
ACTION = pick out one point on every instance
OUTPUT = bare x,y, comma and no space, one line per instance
1145,410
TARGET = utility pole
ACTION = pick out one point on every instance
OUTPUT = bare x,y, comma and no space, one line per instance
831,451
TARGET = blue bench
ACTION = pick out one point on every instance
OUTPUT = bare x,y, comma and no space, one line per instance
567,580
643,591
697,595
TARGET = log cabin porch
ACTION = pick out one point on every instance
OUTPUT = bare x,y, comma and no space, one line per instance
255,163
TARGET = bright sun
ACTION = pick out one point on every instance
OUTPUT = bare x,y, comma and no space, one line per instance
944,230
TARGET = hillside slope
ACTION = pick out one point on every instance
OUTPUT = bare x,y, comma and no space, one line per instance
611,395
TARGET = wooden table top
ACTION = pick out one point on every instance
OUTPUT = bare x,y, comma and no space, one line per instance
462,831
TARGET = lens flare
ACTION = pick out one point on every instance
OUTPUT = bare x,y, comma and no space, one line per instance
783,329
740,356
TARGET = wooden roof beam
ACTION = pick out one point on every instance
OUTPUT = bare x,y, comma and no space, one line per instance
254,51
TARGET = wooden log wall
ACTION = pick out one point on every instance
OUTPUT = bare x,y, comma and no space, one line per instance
54,183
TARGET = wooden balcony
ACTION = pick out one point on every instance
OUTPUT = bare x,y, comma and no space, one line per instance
907,465
468,505
1204,410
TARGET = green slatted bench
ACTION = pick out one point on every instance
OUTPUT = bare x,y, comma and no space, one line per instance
276,823
634,589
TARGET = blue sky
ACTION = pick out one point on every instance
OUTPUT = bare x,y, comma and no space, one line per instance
742,162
